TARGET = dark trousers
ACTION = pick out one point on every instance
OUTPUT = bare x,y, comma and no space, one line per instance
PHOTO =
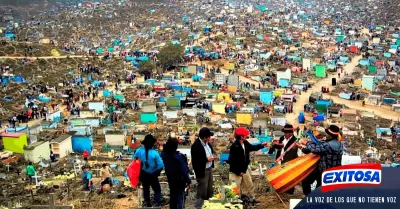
149,180
309,180
177,198
107,181
204,188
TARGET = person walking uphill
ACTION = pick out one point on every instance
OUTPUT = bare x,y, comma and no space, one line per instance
330,152
177,171
239,160
85,155
203,161
286,148
30,171
151,168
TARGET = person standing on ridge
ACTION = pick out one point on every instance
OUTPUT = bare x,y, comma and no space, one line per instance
239,160
203,157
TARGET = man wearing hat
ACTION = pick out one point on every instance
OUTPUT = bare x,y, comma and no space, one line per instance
239,160
330,151
285,147
203,157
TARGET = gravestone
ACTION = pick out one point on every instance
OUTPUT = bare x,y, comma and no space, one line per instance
36,177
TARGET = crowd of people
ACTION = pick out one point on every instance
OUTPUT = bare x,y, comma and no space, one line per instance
203,155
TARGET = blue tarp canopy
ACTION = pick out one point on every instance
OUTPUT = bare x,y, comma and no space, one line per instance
330,64
283,82
18,79
107,93
96,83
383,130
323,102
344,59
135,64
261,8
143,58
187,90
344,95
364,62
44,99
372,59
389,100
175,42
9,35
100,50
196,78
177,87
319,117
265,55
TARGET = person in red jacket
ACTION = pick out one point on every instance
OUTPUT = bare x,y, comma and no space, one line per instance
85,155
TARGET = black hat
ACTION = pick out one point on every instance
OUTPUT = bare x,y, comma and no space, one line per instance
205,132
333,131
287,129
149,140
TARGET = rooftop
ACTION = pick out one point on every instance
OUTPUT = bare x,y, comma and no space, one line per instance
12,135
62,138
281,69
34,145
114,132
266,90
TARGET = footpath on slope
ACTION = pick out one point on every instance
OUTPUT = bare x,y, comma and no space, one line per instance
303,98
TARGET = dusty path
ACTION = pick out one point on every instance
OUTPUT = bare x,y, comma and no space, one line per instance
381,111
298,107
303,98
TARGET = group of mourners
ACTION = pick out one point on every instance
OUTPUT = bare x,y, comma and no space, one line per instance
203,155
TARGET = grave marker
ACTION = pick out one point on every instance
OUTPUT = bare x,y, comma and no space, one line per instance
8,167
36,177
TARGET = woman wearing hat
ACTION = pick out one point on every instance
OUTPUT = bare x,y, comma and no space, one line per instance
285,147
330,152
151,167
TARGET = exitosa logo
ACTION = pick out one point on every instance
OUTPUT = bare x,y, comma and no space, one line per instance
351,176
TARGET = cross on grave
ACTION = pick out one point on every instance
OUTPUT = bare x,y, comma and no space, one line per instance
97,170
8,167
36,177
77,168
52,204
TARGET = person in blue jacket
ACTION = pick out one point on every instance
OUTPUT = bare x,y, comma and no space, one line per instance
151,168
177,171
